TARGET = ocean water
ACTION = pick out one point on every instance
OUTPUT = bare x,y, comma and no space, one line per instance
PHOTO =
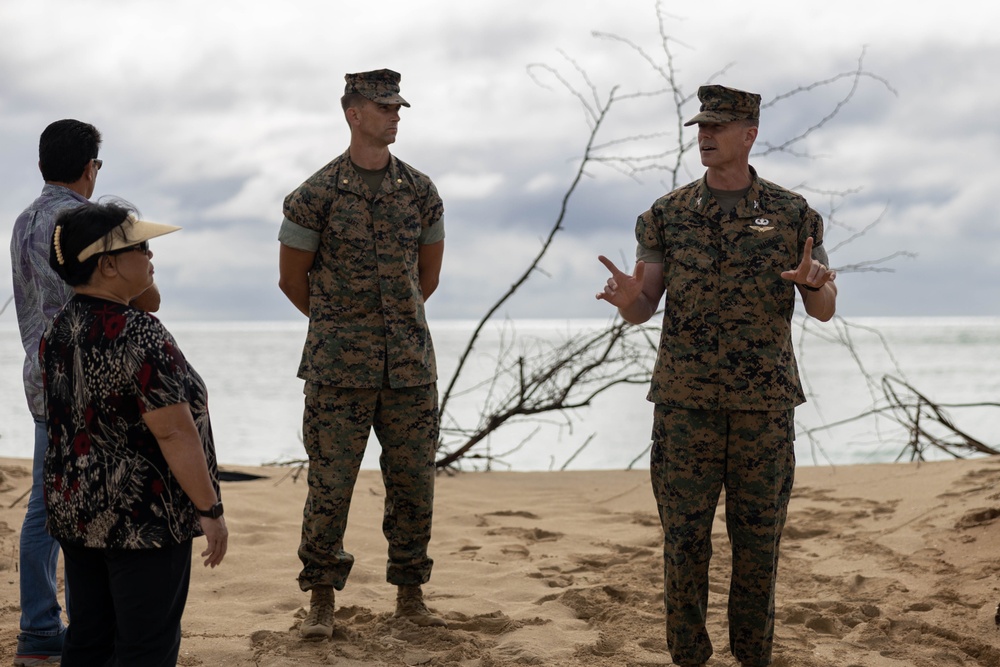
255,399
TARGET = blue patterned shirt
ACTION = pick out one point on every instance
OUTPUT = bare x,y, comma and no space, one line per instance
38,292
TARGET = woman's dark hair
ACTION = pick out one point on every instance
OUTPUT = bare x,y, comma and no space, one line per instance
77,228
65,149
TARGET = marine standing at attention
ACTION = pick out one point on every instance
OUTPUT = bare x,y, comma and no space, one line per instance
362,242
730,251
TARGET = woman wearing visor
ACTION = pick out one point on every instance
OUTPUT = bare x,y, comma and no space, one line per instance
130,474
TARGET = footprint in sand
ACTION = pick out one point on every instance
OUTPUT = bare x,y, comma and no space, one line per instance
553,577
978,517
524,536
530,535
515,550
518,513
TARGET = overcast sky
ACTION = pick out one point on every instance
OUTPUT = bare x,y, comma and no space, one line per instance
213,111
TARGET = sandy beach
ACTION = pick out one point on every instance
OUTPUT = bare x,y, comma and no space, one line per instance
881,566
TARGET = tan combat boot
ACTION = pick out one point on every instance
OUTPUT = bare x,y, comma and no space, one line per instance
410,605
318,623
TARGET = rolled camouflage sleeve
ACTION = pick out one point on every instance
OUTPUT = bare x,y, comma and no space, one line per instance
304,207
432,234
309,204
432,217
298,237
650,247
814,228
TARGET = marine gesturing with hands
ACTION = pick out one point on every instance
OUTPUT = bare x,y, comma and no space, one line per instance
726,250
636,296
622,290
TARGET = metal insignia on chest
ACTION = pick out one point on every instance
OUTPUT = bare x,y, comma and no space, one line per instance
761,225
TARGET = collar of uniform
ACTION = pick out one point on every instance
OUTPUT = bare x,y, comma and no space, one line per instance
751,204
349,180
701,197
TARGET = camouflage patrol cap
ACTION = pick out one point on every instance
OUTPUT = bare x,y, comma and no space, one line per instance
722,105
380,86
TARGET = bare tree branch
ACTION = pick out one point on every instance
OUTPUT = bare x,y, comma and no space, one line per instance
598,117
856,77
928,424
556,379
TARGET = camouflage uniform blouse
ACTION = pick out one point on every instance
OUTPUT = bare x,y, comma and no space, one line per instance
366,315
726,340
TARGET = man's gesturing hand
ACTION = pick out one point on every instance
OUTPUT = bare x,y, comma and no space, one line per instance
622,289
809,272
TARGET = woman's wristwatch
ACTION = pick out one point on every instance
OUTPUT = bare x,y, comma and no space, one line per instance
213,512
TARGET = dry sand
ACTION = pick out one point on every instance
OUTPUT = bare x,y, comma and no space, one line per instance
881,565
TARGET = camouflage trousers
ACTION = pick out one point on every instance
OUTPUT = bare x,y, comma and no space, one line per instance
695,454
336,426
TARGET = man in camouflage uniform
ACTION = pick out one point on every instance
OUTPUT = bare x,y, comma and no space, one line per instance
730,250
361,248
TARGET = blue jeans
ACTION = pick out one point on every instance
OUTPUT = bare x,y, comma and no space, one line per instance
40,610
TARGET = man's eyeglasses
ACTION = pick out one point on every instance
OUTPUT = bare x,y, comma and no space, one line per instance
142,247
98,163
